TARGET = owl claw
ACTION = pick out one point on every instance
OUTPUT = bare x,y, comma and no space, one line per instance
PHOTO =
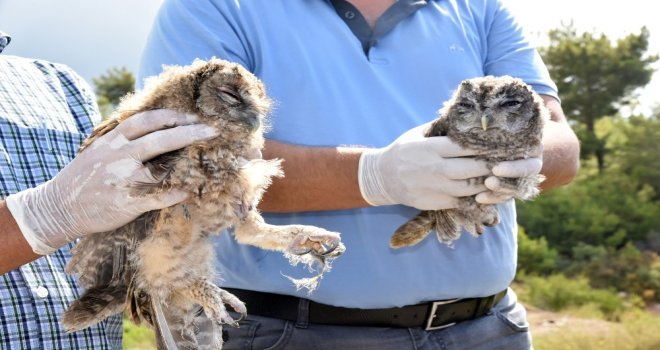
325,245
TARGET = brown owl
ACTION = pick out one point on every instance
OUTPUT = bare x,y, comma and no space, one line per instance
502,119
160,265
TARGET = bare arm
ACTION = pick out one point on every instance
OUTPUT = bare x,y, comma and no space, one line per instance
322,178
561,148
15,249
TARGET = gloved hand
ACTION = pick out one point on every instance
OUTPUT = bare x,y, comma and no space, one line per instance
420,172
499,189
92,193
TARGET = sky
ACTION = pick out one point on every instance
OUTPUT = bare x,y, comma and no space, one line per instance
92,36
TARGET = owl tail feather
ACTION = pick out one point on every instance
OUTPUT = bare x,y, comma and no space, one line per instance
413,231
446,227
95,305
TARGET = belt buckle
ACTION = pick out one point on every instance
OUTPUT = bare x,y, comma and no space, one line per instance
432,315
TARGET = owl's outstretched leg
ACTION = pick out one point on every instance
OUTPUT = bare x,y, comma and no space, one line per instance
294,239
304,244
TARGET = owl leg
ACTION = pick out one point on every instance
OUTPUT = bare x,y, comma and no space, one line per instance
212,298
207,332
293,239
474,216
173,324
304,244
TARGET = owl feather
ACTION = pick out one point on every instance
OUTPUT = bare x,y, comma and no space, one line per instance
502,119
160,266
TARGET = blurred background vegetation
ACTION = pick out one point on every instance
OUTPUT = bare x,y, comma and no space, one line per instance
588,250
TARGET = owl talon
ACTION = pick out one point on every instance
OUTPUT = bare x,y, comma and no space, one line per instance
322,245
330,249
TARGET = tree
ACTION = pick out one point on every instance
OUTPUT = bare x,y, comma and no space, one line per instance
639,153
111,87
596,77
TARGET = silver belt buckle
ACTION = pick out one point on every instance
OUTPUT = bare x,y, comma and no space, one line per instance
432,316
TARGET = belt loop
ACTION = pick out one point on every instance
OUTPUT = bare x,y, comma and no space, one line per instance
303,313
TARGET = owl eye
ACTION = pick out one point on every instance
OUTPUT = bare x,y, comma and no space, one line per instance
510,103
465,105
229,96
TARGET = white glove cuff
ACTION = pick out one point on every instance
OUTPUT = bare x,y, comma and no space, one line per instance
42,232
370,180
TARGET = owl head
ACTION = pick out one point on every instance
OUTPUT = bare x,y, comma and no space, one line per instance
227,90
494,105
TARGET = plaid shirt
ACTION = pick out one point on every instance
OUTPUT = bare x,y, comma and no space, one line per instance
46,110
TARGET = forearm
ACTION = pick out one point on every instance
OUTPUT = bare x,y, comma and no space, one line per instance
561,149
315,178
15,249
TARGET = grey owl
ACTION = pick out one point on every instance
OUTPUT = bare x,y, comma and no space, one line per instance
502,119
159,266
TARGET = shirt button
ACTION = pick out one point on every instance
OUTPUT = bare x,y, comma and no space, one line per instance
349,14
41,292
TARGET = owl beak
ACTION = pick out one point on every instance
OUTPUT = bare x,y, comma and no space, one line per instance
484,122
253,123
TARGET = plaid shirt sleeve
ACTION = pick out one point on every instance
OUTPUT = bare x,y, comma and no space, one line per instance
46,110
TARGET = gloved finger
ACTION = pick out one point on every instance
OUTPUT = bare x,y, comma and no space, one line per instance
142,175
518,168
489,197
147,122
162,199
444,147
464,188
500,186
462,168
163,141
432,202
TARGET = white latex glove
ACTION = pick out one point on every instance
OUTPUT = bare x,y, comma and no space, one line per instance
420,172
92,193
498,191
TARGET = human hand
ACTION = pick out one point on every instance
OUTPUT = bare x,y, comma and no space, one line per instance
514,179
93,192
427,173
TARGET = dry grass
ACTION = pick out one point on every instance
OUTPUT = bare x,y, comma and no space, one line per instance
570,330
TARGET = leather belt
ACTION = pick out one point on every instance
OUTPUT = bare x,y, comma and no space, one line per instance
430,315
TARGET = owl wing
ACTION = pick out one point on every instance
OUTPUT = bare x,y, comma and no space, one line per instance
438,128
100,130
102,262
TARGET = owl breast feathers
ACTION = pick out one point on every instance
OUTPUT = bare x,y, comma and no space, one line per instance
160,266
502,119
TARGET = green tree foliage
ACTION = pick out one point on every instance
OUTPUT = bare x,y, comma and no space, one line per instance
534,255
558,292
595,77
609,210
639,154
111,87
605,226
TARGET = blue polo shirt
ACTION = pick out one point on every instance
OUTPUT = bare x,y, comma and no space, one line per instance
333,84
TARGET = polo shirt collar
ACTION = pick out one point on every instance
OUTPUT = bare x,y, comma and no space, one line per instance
367,36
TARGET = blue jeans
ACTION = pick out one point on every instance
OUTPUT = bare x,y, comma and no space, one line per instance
504,327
